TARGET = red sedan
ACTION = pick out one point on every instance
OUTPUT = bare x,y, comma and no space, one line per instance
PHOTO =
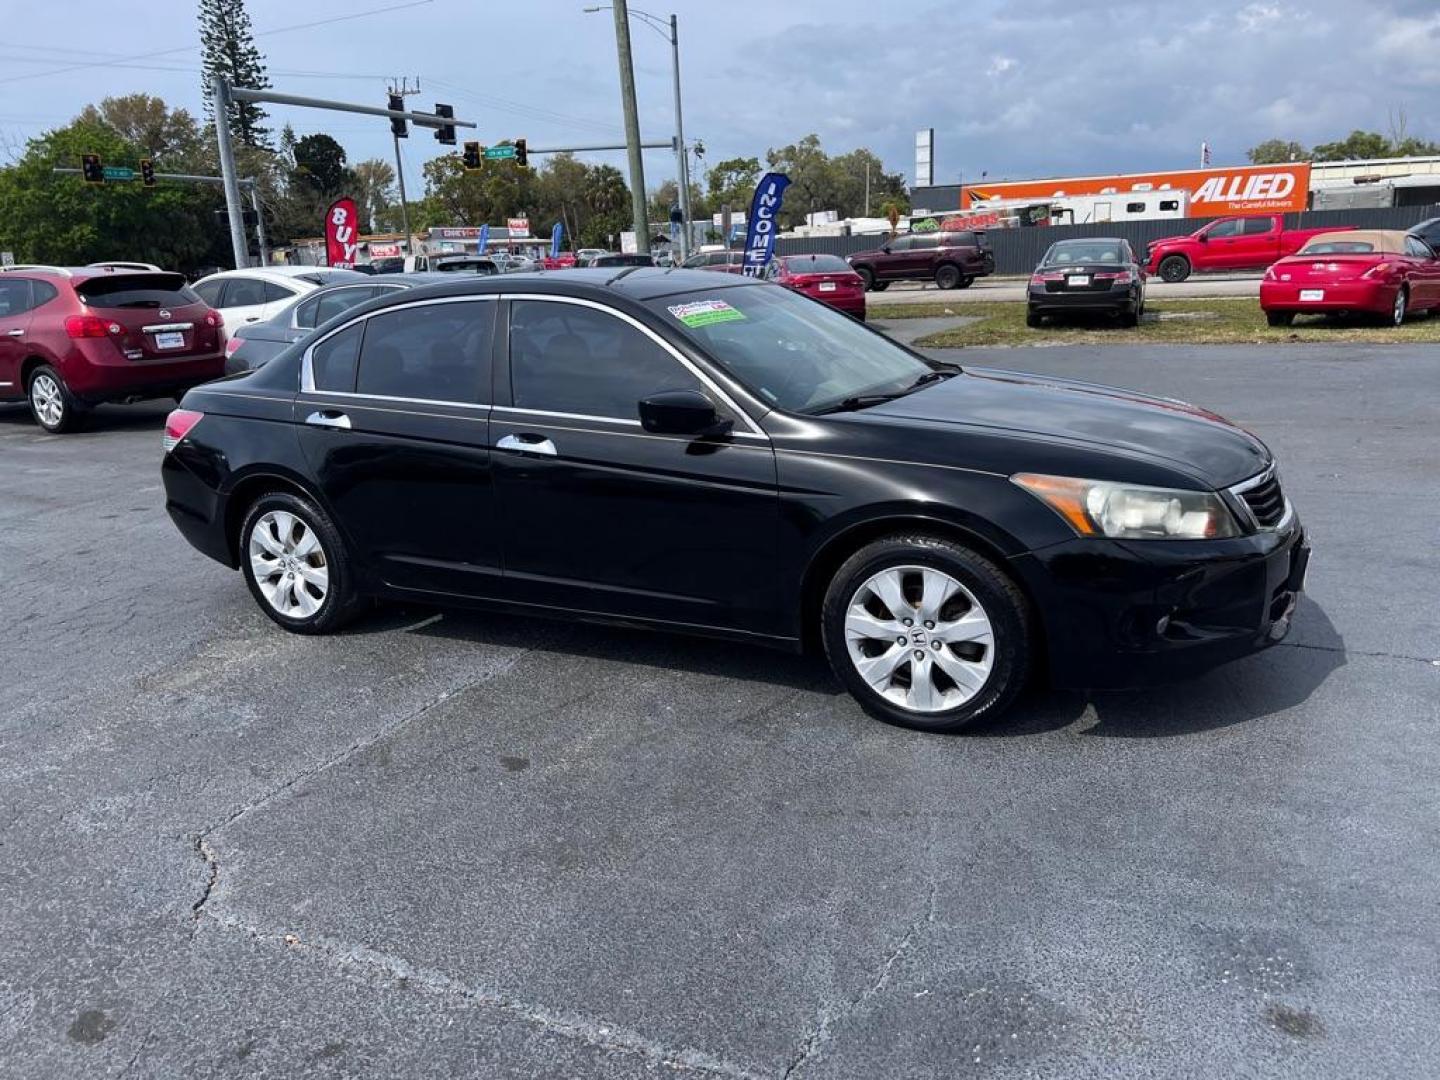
826,278
1380,271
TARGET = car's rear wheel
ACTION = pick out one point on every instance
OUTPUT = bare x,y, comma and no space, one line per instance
1279,318
1033,318
1401,305
926,633
296,565
51,403
867,276
879,286
1130,319
947,276
1174,268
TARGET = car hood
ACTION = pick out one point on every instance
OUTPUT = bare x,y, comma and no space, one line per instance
1205,446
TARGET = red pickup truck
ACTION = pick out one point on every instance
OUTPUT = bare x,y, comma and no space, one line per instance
1233,243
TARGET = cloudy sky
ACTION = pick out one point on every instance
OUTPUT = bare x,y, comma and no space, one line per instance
1034,88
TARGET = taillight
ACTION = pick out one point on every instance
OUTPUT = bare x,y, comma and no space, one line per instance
233,344
178,424
214,318
1119,277
1269,273
91,326
1038,278
1377,270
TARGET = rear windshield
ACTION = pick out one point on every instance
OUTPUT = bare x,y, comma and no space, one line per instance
137,291
1079,252
816,264
1339,247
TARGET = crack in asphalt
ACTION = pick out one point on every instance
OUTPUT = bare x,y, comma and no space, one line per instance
368,962
830,1016
1433,662
200,841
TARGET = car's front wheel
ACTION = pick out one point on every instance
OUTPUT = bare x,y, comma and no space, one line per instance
296,565
51,403
1174,268
926,633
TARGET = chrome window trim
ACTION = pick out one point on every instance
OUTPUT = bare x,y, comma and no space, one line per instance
705,380
307,373
312,298
566,415
359,400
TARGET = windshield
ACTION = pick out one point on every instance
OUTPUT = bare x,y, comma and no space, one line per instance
790,351
1083,252
137,291
1339,247
816,264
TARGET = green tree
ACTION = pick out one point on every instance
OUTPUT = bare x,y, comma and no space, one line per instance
51,218
733,181
372,183
320,165
169,137
849,177
1277,152
1358,144
227,50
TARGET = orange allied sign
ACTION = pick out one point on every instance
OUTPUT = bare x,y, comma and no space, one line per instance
1214,192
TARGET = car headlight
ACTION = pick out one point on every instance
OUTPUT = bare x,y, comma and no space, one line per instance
1132,512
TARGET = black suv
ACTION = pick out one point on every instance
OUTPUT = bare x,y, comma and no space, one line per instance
950,259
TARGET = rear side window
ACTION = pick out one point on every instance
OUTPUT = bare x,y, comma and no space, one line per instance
137,291
324,308
333,361
275,292
244,292
42,292
209,291
434,352
962,239
1256,226
571,359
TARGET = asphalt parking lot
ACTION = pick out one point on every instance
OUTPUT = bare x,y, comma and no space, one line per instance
468,845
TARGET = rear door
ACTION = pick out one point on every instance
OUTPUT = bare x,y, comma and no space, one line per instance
600,516
394,418
15,305
242,300
1259,243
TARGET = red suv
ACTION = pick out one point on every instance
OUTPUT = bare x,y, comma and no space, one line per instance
71,339
950,259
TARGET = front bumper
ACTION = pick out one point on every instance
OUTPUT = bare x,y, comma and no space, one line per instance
1372,296
1123,614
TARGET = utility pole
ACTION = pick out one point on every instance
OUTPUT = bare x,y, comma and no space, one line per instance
680,154
632,127
227,174
259,223
867,187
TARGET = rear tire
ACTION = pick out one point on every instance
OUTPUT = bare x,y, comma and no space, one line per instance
296,565
880,286
51,403
1130,319
947,276
1174,268
1279,318
1034,319
867,276
1401,307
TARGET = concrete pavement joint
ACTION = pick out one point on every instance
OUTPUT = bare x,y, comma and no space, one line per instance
374,963
1356,652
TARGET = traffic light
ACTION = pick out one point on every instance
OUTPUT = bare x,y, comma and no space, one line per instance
92,168
521,153
397,125
471,157
445,133
147,172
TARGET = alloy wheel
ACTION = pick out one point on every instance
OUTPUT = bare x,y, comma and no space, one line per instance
289,564
919,638
1397,315
48,400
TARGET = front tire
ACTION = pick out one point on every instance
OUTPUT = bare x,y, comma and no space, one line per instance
926,633
296,565
1174,268
51,403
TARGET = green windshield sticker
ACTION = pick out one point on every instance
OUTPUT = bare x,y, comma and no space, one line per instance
705,312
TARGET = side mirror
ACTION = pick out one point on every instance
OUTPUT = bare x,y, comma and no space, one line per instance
886,249
1204,238
681,412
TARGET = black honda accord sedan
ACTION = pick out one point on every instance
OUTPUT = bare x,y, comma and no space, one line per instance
718,455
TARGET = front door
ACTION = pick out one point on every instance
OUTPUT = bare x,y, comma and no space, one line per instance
599,515
394,419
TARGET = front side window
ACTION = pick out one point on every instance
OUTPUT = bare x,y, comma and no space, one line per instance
569,358
1224,229
333,361
432,352
790,351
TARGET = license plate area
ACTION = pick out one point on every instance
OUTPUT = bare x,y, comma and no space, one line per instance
1077,281
170,339
1312,294
827,286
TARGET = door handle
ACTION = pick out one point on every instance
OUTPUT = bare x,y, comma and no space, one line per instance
528,444
15,333
329,418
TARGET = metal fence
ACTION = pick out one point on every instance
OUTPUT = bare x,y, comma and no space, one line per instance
1017,251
